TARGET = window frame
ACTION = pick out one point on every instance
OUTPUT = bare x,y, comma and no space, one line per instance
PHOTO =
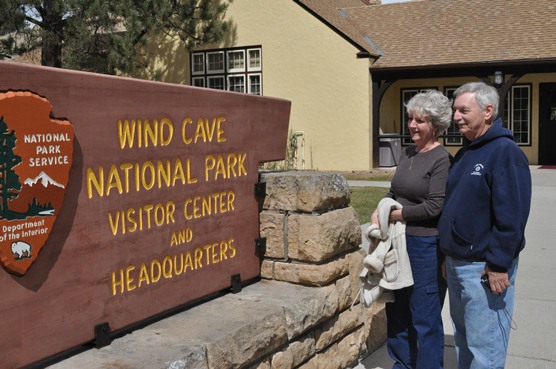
250,85
214,78
230,85
255,68
208,61
453,129
195,71
229,60
215,69
194,79
508,114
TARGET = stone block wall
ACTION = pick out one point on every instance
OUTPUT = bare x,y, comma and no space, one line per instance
313,239
300,315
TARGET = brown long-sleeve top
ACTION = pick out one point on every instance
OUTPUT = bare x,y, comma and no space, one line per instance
419,184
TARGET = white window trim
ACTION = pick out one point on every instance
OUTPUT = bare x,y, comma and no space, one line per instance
254,69
198,79
210,78
510,108
260,83
232,70
229,84
194,72
456,141
214,71
225,72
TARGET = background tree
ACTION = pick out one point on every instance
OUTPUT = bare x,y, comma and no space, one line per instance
105,36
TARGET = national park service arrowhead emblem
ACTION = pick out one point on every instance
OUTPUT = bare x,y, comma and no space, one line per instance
35,160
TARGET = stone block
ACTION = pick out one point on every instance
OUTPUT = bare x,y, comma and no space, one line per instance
267,269
262,365
143,348
351,348
316,238
329,359
305,191
224,333
310,274
374,318
272,228
350,285
296,353
241,331
345,293
303,307
337,328
340,355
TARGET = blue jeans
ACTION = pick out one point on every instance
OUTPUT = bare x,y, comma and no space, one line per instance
482,320
414,319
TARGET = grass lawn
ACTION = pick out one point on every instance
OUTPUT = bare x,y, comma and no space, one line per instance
365,199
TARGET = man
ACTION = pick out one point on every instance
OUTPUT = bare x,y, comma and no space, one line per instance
488,197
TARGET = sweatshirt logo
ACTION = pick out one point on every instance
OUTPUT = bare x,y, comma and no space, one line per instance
477,169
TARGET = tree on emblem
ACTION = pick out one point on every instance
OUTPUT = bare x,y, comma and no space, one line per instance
9,180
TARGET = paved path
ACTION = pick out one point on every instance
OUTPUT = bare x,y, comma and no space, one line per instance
369,183
532,344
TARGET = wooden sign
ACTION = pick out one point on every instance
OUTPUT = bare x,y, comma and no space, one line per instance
120,200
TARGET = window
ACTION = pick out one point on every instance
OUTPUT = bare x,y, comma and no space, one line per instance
216,82
236,83
236,69
215,62
407,94
198,64
453,137
198,82
255,84
236,61
254,60
517,113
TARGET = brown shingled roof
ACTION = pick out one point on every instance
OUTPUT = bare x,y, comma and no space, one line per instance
332,12
444,32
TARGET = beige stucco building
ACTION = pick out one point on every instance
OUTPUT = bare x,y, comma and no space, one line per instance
307,62
348,66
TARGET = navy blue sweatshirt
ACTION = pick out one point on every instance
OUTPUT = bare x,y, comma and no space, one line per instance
488,198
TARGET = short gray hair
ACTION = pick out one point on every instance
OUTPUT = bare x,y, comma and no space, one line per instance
484,95
432,104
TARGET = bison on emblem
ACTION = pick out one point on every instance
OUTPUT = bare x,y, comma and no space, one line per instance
20,248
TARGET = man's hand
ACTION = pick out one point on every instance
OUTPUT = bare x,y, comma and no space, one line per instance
499,282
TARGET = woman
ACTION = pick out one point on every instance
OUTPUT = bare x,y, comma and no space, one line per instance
415,333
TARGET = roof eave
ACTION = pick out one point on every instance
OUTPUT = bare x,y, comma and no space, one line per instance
523,66
364,52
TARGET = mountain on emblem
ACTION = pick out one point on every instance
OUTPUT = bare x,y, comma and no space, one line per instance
29,208
44,179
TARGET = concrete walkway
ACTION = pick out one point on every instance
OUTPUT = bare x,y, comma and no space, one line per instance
532,343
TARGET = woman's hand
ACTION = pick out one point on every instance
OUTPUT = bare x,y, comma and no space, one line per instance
374,218
396,216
